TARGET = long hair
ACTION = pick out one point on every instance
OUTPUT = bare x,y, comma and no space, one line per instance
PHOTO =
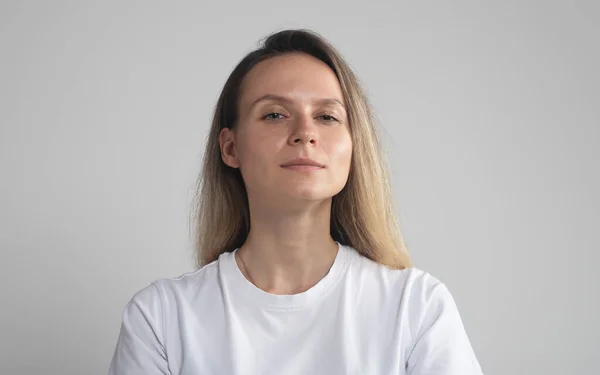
362,213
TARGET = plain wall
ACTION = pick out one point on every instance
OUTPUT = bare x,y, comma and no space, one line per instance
490,115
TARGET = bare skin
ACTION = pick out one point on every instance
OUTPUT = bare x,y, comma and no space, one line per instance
289,247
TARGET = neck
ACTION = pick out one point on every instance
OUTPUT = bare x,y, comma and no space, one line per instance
288,252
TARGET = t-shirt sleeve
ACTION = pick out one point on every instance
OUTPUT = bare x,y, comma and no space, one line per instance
440,345
140,348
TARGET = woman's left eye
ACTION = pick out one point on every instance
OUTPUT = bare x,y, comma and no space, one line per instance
329,118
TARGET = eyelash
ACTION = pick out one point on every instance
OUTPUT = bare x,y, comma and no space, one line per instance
333,118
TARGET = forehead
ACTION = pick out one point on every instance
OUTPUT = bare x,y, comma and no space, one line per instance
297,76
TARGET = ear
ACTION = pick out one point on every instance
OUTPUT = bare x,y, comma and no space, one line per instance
227,146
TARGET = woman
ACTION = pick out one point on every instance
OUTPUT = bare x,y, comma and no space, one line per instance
302,268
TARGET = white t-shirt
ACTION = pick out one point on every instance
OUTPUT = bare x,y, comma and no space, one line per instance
361,318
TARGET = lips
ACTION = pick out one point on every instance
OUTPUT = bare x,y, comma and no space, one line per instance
302,162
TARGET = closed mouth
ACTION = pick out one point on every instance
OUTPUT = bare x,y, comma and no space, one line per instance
302,162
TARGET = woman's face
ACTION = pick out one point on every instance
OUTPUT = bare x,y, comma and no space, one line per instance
291,107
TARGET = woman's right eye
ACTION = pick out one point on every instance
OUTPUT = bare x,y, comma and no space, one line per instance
273,116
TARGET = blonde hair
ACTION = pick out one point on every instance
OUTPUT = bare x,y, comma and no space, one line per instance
362,213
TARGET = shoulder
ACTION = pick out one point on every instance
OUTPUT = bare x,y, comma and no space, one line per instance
413,291
153,315
427,310
190,282
410,281
163,292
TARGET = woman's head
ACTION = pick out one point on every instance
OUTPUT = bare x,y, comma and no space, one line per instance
295,98
290,107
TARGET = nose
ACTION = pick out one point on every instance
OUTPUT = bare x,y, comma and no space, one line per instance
304,132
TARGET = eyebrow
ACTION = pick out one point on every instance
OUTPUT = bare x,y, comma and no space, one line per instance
288,100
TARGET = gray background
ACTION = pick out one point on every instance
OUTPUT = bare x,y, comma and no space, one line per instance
490,113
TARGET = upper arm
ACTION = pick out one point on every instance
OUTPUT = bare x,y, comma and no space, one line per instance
440,344
139,348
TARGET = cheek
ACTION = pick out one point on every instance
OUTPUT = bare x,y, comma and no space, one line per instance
341,151
256,151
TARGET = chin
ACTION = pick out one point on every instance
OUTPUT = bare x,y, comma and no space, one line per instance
300,190
308,193
308,196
